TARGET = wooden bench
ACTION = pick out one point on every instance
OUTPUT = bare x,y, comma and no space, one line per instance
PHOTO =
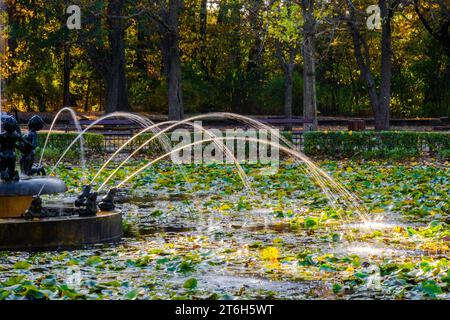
108,126
441,128
287,124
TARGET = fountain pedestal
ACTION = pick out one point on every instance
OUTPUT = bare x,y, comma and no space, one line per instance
14,206
16,196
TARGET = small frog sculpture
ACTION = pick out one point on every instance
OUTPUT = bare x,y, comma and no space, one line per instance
87,202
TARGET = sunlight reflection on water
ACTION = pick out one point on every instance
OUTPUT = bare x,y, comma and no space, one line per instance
370,251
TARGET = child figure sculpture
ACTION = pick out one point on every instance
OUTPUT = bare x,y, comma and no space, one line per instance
8,146
28,150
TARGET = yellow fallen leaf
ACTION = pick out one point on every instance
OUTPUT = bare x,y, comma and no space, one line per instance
270,254
225,207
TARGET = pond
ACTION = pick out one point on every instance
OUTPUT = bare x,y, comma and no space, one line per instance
208,238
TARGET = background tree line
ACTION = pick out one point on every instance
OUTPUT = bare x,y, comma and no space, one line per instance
291,57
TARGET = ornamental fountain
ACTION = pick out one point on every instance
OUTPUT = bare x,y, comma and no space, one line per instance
25,224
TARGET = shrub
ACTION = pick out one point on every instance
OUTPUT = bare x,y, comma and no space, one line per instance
59,142
153,147
445,154
372,144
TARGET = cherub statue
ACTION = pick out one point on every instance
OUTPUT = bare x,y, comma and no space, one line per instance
8,145
28,150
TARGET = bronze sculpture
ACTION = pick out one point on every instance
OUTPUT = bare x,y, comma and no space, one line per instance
9,140
26,222
12,139
87,202
28,150
107,203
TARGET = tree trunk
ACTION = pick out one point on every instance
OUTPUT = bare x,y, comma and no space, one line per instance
441,33
13,25
309,68
171,57
66,81
202,32
363,61
238,87
288,89
115,79
255,58
384,101
88,92
380,102
11,41
141,46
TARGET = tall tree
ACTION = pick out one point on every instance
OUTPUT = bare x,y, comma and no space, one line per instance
309,65
66,64
14,20
284,30
168,24
235,17
380,97
103,37
435,16
202,32
116,81
255,57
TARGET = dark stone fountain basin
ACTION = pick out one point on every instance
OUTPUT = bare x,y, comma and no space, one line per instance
32,186
60,232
